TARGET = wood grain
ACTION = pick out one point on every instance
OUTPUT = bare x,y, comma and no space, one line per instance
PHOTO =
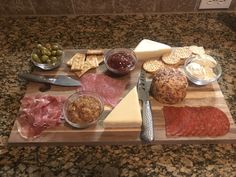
64,134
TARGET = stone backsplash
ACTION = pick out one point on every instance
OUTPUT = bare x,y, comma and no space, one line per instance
79,7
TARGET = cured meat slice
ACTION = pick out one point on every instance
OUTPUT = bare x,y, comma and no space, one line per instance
172,120
195,121
38,113
212,127
109,89
202,121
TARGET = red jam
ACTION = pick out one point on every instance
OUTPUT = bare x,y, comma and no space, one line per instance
121,62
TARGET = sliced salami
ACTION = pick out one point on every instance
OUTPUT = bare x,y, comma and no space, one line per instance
195,121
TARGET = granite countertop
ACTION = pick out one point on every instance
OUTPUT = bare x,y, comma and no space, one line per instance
214,31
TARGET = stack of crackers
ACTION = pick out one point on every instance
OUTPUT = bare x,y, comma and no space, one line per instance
173,59
80,63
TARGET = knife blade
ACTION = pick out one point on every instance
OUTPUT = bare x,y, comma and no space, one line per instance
147,123
59,80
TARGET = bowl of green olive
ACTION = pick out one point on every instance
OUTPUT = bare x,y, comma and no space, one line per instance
48,56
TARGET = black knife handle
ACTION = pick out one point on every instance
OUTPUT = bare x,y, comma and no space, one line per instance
33,78
147,130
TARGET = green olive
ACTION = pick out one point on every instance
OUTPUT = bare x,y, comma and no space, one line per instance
44,51
55,47
44,58
37,52
48,46
49,61
48,53
39,46
54,59
54,52
35,56
59,52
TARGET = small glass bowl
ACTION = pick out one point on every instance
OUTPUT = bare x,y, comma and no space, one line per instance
45,66
131,64
217,71
77,96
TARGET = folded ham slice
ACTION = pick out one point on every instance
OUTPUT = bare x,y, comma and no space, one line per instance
38,113
109,89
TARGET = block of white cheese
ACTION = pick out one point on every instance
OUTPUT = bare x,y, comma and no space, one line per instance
126,113
148,49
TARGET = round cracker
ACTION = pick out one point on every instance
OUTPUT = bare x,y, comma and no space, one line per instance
170,58
183,52
152,65
197,50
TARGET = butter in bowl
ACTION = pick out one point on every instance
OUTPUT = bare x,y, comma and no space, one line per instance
202,69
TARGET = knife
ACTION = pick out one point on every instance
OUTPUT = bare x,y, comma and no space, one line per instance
59,80
147,122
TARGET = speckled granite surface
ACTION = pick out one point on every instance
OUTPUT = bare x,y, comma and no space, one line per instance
216,32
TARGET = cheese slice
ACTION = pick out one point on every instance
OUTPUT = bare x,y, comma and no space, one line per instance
148,49
127,113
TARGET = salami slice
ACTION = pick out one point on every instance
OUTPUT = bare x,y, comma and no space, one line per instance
172,120
195,121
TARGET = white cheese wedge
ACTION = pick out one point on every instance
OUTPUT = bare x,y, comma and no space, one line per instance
148,49
126,113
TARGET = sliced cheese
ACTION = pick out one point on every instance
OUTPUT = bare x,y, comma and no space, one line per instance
126,113
148,49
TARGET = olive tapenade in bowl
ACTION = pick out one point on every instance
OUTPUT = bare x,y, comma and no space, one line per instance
83,109
48,56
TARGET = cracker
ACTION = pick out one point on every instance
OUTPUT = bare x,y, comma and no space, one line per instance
152,65
183,52
69,62
94,52
87,66
177,65
170,58
93,60
197,50
100,58
78,62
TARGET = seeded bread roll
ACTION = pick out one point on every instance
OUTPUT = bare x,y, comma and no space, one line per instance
169,86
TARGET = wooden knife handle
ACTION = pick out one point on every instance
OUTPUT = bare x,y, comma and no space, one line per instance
147,127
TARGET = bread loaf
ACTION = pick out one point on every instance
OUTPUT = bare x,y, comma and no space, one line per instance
169,86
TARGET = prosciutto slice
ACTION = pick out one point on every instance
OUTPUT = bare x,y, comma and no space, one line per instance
109,89
38,113
195,121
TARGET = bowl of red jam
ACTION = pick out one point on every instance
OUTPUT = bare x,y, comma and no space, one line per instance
120,61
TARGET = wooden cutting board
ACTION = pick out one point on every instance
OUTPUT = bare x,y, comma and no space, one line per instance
65,134
209,95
